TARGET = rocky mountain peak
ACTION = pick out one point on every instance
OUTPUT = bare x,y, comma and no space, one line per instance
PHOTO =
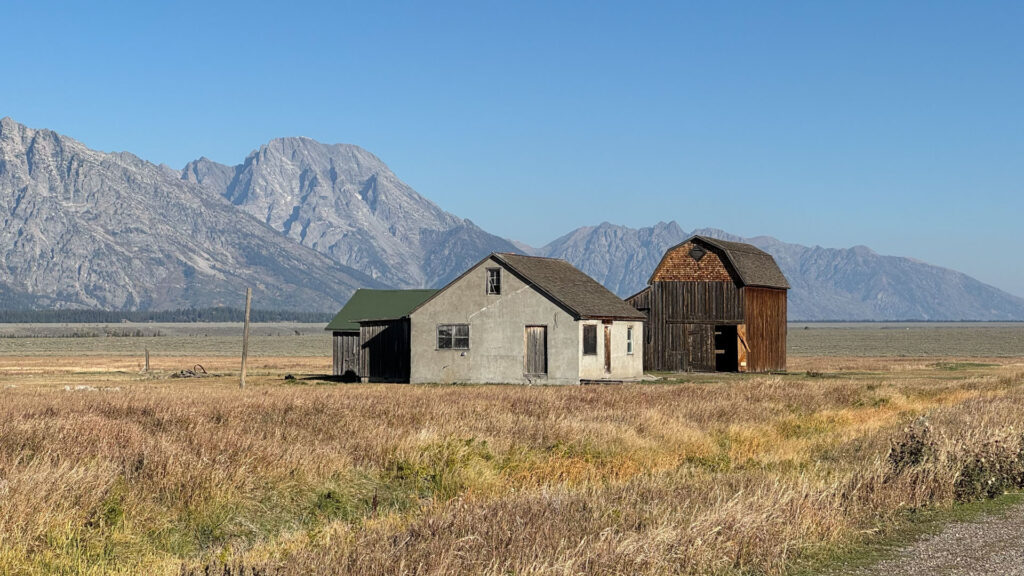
84,228
344,202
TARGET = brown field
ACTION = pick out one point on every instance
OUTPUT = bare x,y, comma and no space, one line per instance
104,470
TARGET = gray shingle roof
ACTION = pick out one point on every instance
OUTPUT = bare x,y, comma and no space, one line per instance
754,266
566,285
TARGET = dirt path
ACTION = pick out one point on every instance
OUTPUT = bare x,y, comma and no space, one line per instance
989,546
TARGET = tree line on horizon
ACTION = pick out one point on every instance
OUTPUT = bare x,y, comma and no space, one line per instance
216,314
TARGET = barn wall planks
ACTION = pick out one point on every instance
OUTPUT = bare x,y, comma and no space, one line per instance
384,351
681,318
694,302
766,329
641,300
346,353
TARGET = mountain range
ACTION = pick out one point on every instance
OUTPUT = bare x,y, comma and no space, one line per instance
306,223
87,229
826,283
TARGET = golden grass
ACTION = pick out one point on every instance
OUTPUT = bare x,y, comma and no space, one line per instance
736,474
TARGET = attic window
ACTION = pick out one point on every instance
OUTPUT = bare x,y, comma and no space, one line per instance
697,253
494,280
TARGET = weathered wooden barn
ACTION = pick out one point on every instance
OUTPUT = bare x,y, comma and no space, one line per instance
371,334
713,305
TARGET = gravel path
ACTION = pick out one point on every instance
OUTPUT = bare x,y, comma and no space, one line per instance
990,546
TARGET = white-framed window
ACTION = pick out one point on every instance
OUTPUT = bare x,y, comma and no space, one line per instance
453,336
494,280
629,339
590,340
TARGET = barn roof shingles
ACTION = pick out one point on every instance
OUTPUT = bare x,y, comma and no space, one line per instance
754,266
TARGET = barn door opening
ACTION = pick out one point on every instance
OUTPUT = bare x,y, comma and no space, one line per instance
726,349
536,356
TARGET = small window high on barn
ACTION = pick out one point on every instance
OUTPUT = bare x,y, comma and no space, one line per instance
590,339
697,253
494,280
453,337
629,339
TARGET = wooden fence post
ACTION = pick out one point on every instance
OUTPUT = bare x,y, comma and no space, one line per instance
147,359
245,336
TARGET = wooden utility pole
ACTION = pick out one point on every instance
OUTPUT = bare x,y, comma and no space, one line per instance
245,335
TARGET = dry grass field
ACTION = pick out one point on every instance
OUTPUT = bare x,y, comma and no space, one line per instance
104,470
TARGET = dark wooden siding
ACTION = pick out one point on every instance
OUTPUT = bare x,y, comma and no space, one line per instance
766,329
641,300
681,317
346,353
384,351
694,302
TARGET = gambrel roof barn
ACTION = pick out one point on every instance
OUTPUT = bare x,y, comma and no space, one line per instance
714,305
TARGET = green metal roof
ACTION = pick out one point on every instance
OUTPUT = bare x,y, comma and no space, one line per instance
377,305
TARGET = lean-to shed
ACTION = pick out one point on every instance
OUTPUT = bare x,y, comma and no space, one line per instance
714,305
371,334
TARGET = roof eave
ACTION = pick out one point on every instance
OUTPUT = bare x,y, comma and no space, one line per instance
637,318
369,320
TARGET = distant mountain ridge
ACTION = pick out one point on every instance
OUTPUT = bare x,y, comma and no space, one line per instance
306,223
827,283
343,202
87,229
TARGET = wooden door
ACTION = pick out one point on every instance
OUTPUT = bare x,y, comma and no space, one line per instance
536,355
701,348
607,349
346,354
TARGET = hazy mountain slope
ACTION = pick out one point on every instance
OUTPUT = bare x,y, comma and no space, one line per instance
82,228
619,257
857,283
345,203
827,284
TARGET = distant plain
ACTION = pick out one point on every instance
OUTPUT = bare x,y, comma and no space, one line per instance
910,339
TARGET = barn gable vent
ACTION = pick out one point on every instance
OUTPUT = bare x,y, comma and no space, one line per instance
697,253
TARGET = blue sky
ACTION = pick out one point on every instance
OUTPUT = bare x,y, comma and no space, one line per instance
897,125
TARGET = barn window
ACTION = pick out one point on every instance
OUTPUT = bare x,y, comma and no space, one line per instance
629,339
494,280
697,252
453,337
590,339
